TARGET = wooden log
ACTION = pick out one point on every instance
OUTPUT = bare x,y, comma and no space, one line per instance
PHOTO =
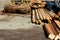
42,12
55,27
40,15
37,17
53,15
49,31
33,16
47,17
56,30
57,37
50,13
56,16
49,21
57,23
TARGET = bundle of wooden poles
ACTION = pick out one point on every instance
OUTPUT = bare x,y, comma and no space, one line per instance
50,19
52,31
42,15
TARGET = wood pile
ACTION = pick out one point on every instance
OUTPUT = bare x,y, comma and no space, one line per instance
50,19
43,14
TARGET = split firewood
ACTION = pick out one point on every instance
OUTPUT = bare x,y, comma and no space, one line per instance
33,16
49,30
38,21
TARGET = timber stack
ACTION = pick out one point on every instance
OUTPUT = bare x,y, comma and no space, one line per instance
51,20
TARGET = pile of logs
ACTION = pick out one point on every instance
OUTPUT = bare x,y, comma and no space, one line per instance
51,22
40,15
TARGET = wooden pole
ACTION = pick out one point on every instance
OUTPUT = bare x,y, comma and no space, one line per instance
50,13
42,12
40,15
33,16
56,30
49,31
57,23
37,17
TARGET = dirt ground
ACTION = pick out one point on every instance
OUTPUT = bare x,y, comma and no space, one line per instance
32,34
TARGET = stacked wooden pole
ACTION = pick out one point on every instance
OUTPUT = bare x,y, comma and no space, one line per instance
36,17
44,15
40,15
52,31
